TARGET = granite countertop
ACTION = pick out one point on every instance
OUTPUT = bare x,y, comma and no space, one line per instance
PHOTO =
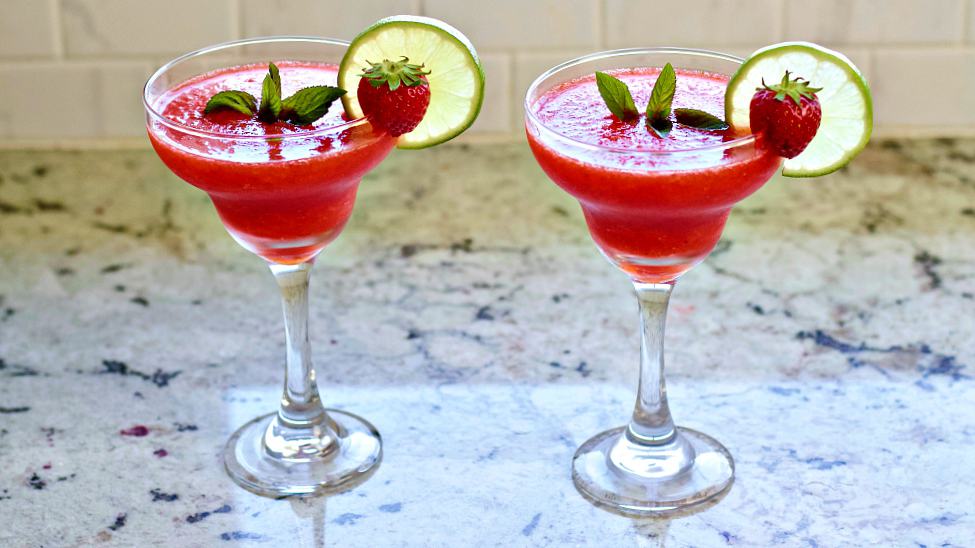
829,343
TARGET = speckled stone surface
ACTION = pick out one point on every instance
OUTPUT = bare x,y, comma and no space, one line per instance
829,342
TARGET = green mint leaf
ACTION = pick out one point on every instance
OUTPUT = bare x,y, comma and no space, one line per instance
270,96
617,96
698,119
309,104
241,101
661,127
660,99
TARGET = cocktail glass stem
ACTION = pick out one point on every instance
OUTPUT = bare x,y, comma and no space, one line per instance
303,448
302,427
650,465
651,446
652,423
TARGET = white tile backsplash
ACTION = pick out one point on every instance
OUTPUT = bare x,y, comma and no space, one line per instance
120,110
102,50
126,28
330,18
639,23
27,28
520,24
105,99
924,88
528,67
495,114
970,34
35,104
875,21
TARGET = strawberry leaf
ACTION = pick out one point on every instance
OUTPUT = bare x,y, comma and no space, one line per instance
270,96
794,89
309,104
658,110
241,101
699,119
394,73
617,96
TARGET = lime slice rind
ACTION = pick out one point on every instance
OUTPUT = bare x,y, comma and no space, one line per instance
456,77
845,99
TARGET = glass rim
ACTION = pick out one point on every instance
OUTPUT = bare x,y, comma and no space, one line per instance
183,128
530,114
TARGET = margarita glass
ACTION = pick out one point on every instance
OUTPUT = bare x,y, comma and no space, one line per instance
283,192
655,207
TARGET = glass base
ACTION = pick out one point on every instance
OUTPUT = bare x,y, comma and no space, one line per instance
333,468
637,480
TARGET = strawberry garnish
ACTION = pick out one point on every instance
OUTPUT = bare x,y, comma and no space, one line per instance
787,113
394,95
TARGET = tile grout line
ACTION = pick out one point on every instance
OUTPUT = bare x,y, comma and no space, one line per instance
598,20
867,73
780,19
512,100
237,21
943,48
966,28
54,7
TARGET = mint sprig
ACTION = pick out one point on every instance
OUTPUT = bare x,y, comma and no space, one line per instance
241,101
617,96
699,119
658,110
301,109
618,99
